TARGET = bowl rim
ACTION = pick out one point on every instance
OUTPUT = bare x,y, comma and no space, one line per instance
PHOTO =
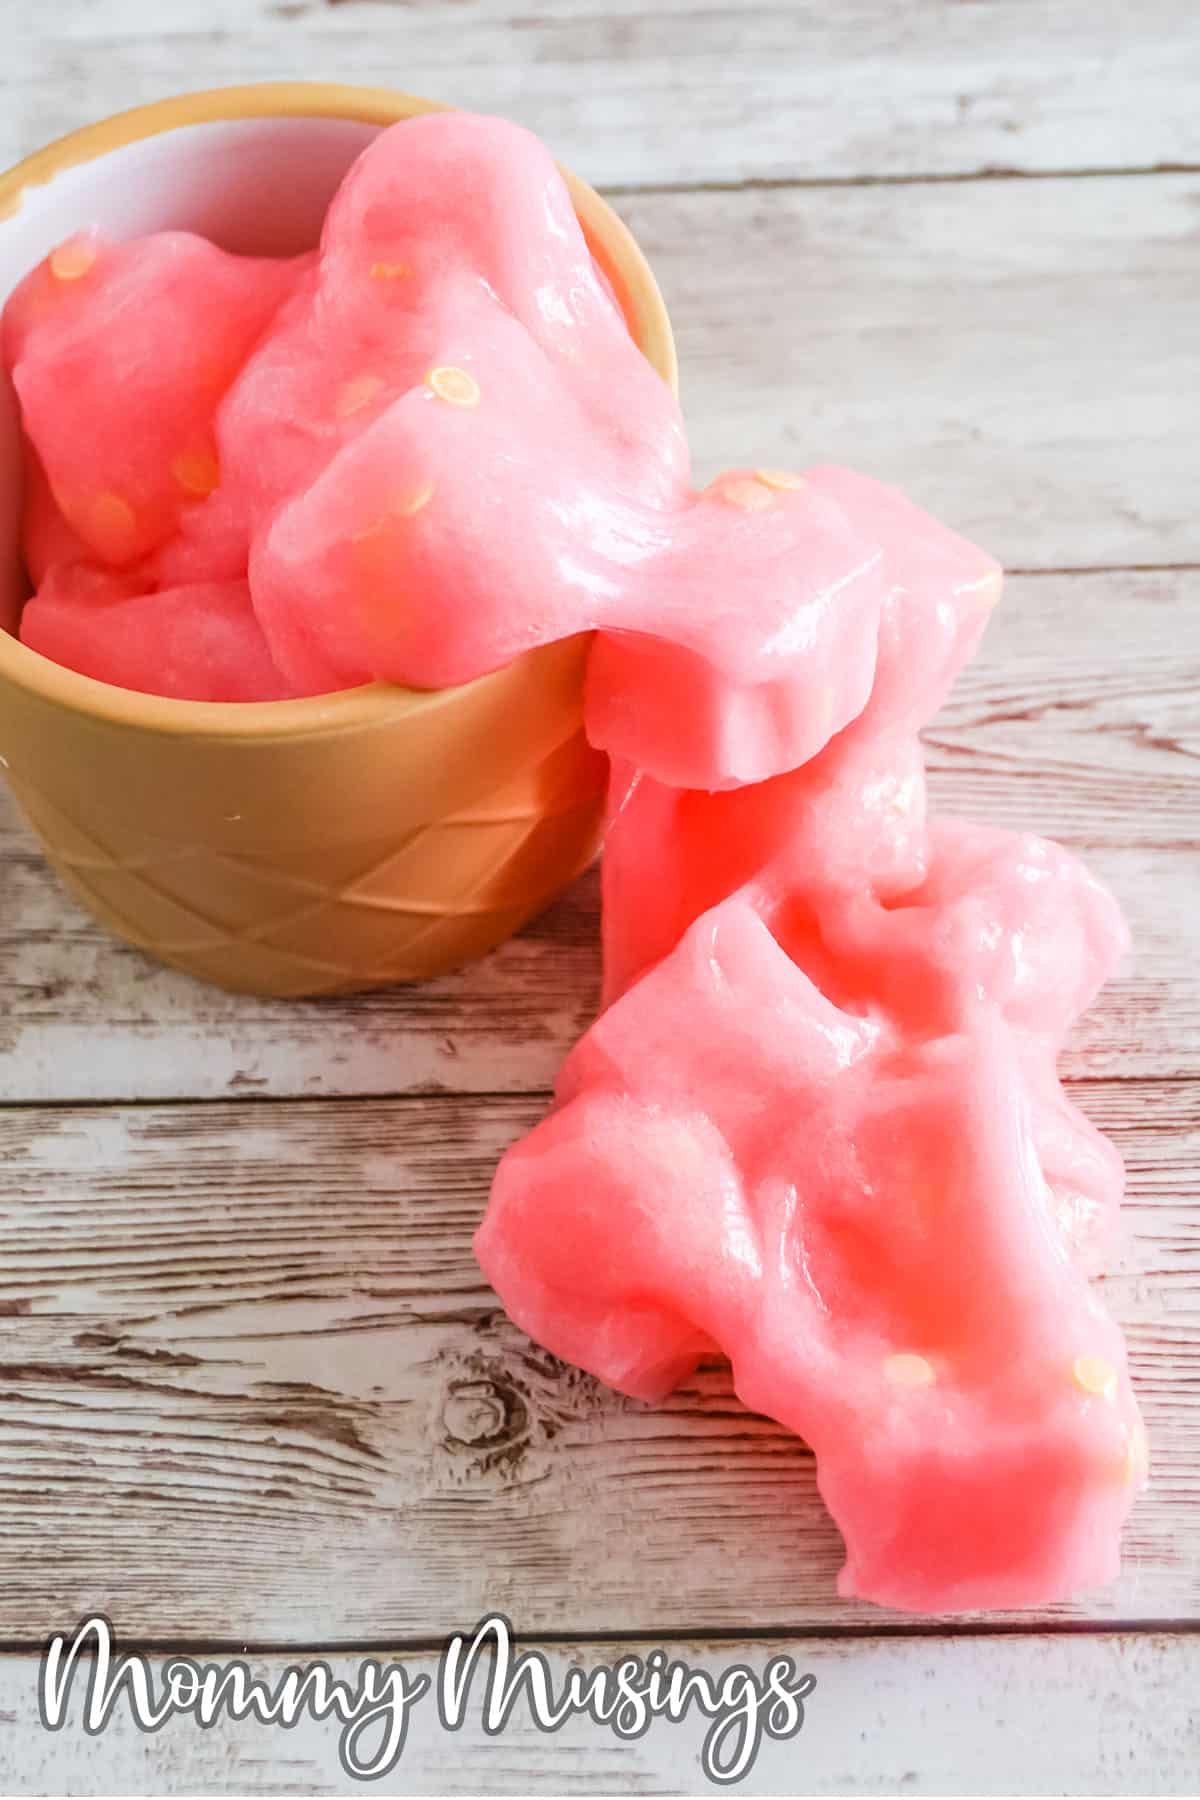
349,708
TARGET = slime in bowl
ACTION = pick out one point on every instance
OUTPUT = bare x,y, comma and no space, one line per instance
818,1126
428,448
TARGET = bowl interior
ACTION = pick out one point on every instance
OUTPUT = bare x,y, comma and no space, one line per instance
252,185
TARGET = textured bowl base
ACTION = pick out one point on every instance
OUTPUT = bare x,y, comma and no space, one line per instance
347,919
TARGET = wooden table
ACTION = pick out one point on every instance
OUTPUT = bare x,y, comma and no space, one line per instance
254,1390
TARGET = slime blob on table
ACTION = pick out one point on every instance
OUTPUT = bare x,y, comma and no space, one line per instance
856,1202
820,1128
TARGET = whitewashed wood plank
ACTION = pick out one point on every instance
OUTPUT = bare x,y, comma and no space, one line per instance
1103,1714
255,1340
1079,719
678,92
1020,355
1080,716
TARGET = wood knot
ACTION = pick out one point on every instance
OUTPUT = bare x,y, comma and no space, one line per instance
484,1413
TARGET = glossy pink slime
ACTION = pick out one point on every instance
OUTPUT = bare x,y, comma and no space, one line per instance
855,1206
819,1125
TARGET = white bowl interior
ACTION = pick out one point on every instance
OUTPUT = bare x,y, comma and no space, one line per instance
252,185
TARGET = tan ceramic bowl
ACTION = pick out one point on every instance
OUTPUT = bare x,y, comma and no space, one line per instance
301,846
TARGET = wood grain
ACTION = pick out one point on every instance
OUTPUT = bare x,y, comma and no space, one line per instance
930,1716
256,1339
678,92
1020,356
1046,731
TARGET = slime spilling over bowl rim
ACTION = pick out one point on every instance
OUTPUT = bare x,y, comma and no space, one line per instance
610,241
296,847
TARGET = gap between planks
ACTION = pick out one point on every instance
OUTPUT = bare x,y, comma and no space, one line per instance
774,184
427,1644
405,1097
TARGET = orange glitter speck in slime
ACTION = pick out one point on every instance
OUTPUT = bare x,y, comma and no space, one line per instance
110,524
74,259
378,557
455,386
358,393
747,496
197,471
